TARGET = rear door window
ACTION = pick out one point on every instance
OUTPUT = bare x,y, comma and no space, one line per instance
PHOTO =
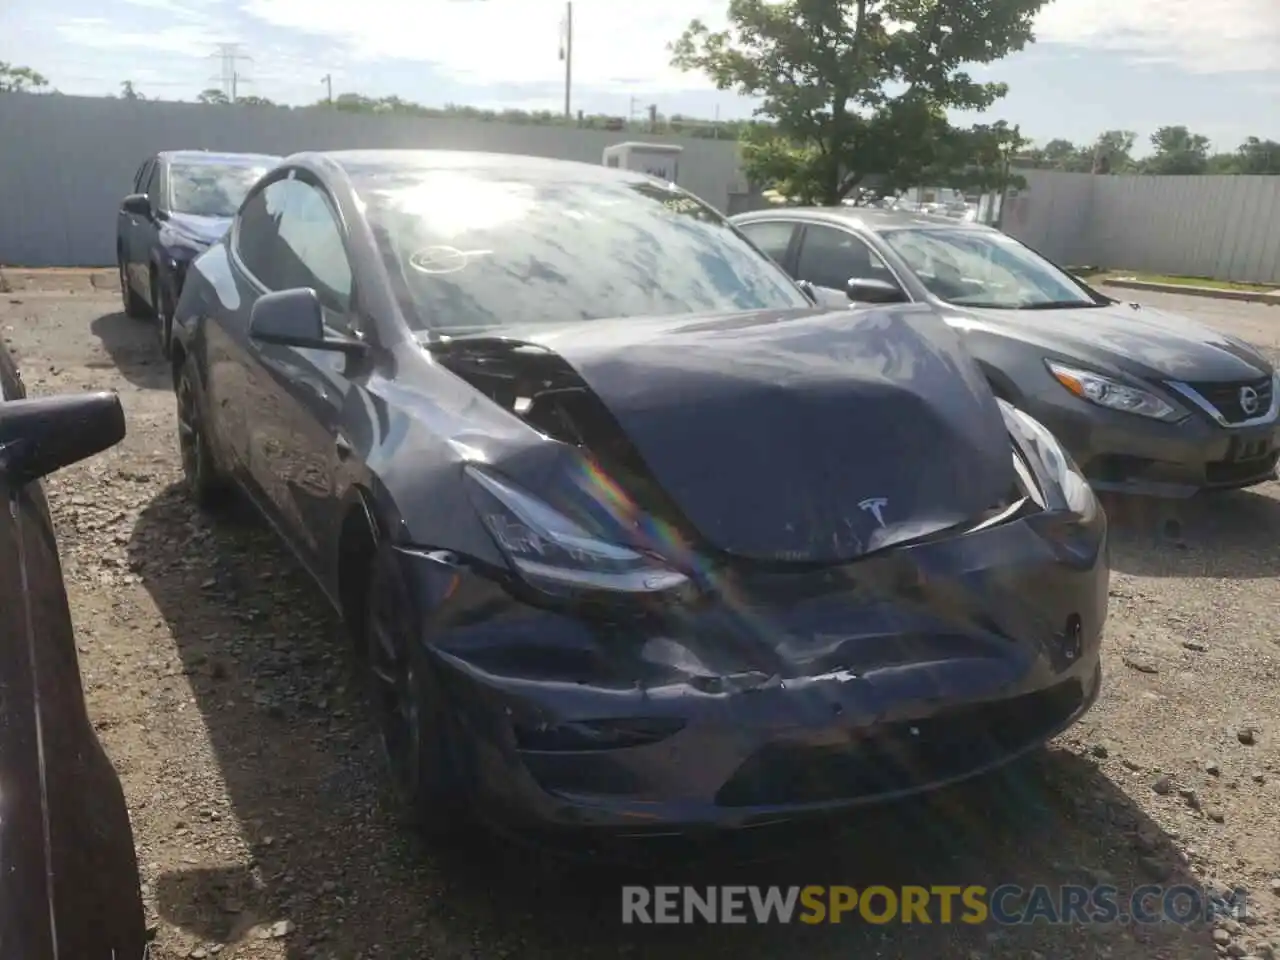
773,237
830,258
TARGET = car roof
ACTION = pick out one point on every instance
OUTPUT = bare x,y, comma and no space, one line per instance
207,156
872,219
365,162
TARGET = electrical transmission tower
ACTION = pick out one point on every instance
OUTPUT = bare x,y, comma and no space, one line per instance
231,75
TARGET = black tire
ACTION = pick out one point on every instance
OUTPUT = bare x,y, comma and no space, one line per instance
163,300
416,729
205,480
134,306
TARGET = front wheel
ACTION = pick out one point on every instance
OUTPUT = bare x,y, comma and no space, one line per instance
163,301
415,727
134,306
205,482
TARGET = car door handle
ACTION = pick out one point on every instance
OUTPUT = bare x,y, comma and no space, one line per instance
343,446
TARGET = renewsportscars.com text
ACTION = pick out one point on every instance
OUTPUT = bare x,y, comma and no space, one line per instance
1008,904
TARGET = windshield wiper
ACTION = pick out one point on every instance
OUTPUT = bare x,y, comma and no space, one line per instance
1059,305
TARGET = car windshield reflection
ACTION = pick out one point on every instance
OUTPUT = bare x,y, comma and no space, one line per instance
985,269
479,250
210,190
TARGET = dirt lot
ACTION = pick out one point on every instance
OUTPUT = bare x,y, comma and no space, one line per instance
221,690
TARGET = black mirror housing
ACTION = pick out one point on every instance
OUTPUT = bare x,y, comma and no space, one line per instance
863,290
138,204
295,318
41,435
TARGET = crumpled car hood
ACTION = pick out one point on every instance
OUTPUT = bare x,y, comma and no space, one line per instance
808,435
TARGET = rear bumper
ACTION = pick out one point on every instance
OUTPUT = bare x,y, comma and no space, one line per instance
824,692
1123,453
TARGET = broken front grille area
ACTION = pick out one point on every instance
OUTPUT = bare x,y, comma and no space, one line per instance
898,757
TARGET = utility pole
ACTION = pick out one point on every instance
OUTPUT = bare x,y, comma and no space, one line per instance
566,54
327,80
231,77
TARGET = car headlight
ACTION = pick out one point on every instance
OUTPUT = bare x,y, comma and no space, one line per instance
554,553
1065,480
1112,394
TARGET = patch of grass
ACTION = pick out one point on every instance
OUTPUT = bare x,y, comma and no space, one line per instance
1197,282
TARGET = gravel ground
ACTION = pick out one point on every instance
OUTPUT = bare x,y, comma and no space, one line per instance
220,687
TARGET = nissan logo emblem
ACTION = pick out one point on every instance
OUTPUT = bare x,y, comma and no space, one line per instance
1249,401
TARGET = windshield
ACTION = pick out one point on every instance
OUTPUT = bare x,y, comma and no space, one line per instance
977,268
474,251
210,189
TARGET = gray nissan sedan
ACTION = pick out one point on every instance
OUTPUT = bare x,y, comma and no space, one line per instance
1145,401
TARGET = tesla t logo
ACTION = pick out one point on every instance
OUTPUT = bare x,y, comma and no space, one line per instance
1249,401
875,506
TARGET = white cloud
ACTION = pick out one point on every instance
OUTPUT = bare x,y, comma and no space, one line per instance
183,28
620,47
172,7
1225,36
615,46
187,40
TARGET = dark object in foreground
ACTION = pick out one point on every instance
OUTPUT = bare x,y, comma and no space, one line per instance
633,537
68,872
1146,402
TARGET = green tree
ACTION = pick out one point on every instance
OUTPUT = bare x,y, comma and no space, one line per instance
254,101
1178,151
1062,154
212,95
127,91
1112,152
1258,157
848,82
979,160
354,103
16,79
1223,164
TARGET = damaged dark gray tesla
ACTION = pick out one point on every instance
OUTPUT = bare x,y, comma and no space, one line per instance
632,536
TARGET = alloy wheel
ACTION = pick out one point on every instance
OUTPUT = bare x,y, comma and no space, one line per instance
164,314
189,439
395,690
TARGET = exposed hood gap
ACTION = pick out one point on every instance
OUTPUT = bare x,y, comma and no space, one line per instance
542,389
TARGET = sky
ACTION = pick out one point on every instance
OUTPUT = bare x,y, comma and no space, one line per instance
1096,64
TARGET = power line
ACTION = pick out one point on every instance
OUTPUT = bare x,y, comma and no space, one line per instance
231,77
109,81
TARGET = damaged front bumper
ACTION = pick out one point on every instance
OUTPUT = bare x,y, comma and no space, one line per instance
787,695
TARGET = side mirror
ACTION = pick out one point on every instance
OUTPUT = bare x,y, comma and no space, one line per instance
873,291
137,204
295,318
44,434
